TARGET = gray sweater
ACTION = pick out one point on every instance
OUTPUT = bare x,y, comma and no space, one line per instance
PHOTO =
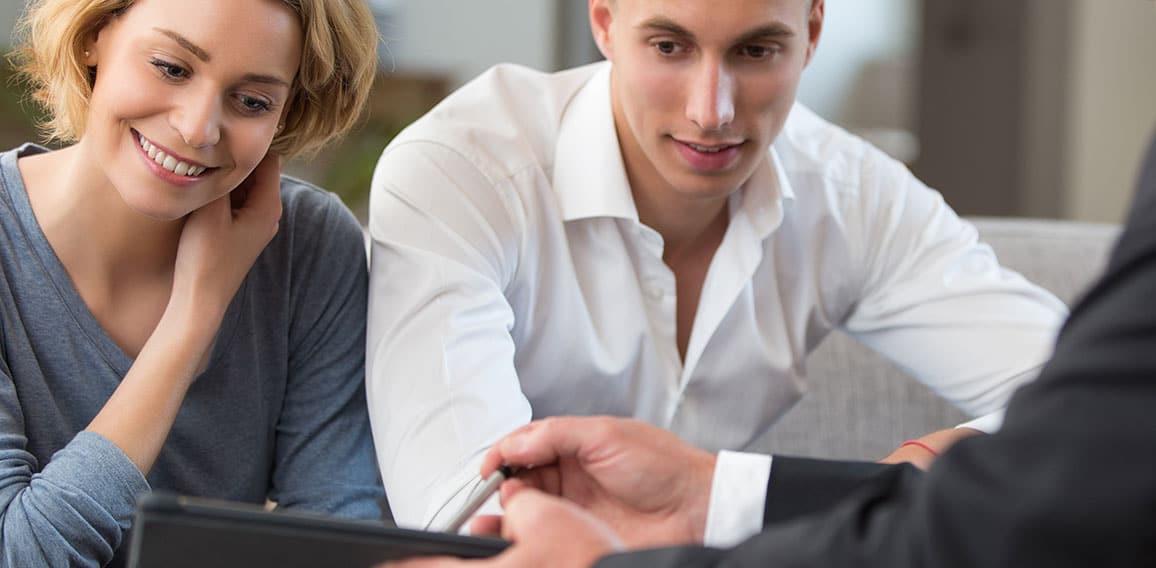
279,413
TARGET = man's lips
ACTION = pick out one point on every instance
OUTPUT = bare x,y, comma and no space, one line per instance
709,147
713,156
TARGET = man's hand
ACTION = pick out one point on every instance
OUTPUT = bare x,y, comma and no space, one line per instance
544,531
649,486
938,441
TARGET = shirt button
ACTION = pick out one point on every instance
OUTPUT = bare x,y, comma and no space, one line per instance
655,292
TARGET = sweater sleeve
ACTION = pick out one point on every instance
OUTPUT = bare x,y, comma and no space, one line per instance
73,510
325,460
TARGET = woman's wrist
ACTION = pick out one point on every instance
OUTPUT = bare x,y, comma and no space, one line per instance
187,329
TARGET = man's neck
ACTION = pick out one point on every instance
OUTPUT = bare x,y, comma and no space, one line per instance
683,223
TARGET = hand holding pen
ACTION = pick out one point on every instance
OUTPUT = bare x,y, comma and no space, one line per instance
647,484
483,493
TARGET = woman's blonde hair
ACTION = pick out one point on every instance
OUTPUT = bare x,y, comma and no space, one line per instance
338,64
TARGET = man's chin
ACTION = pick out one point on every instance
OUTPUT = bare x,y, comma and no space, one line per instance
706,185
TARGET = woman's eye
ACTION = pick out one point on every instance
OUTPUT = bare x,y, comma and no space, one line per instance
170,70
254,105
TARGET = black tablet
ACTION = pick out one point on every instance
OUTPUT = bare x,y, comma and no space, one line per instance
175,532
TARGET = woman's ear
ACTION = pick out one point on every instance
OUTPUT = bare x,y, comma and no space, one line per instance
88,54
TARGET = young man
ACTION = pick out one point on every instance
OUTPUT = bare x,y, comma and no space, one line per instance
1069,481
663,236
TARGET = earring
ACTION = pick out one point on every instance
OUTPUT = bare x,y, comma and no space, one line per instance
280,127
87,54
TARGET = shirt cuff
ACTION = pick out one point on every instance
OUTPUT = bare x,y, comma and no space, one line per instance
988,423
738,498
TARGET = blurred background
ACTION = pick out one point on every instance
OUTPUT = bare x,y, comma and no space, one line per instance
1037,108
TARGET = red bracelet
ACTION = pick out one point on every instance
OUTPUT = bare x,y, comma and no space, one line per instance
921,445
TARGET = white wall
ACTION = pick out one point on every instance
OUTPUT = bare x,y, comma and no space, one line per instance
1110,99
480,34
462,38
863,74
858,34
1112,107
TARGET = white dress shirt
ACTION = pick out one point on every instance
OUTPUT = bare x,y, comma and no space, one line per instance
511,279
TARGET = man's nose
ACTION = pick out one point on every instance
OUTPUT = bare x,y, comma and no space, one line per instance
711,102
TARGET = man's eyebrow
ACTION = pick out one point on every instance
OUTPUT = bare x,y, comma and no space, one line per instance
661,24
185,43
775,30
770,31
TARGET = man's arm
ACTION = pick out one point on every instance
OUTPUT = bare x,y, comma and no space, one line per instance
1069,481
802,486
640,486
440,371
935,300
923,451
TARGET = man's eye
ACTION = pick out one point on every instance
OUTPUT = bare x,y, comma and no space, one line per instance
666,47
757,51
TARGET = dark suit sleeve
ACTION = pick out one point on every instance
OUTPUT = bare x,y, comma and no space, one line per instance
1070,480
801,486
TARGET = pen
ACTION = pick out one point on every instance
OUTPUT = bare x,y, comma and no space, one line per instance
488,488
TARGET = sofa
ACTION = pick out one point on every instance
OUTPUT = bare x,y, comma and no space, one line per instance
859,406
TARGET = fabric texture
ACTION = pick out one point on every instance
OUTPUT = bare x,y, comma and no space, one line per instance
278,413
511,279
1070,479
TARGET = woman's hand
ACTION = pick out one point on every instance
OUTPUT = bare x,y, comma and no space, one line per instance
218,246
222,239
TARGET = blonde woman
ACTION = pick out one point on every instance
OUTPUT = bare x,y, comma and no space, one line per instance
176,314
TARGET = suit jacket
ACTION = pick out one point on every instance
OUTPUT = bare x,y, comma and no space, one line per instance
1070,480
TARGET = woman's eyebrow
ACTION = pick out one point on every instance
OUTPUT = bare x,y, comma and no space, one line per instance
185,43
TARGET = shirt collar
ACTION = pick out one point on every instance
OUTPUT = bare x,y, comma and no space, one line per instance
590,177
765,196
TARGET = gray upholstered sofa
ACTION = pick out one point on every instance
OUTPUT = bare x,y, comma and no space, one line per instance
859,406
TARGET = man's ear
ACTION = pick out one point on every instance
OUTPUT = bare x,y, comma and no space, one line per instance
601,16
815,27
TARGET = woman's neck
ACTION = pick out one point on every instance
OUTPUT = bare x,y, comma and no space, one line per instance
95,234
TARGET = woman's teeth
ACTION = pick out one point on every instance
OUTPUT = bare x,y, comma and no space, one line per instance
168,162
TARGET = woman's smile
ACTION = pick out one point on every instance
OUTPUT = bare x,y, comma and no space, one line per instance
169,160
